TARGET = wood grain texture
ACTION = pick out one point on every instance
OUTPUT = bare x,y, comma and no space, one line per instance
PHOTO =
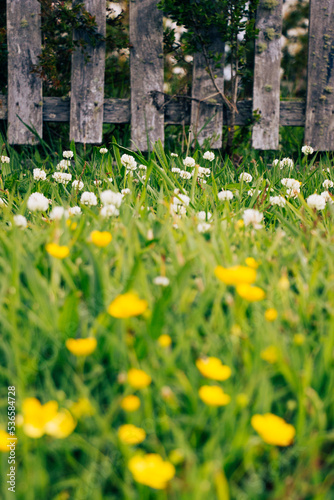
204,113
266,88
319,126
24,88
146,73
87,82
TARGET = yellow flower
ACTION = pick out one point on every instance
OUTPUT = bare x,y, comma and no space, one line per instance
213,368
242,400
138,379
239,224
165,340
151,470
82,408
5,440
283,283
271,314
127,305
100,238
130,403
250,293
61,426
235,275
213,395
81,347
176,456
57,251
130,434
270,354
299,339
36,416
273,429
71,225
251,262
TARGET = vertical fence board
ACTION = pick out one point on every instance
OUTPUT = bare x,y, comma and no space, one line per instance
146,73
266,88
87,82
204,113
24,88
319,126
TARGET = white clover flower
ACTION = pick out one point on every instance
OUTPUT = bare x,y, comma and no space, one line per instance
204,215
62,177
88,198
57,213
316,201
68,154
129,162
174,154
307,150
208,155
275,162
203,227
2,202
72,211
286,162
97,182
226,195
109,197
110,179
103,151
109,211
245,177
37,201
39,174
161,281
189,162
203,171
125,191
250,192
327,183
185,175
78,185
176,170
63,165
277,200
327,196
114,10
252,217
5,159
290,183
184,199
142,167
177,209
20,221
293,192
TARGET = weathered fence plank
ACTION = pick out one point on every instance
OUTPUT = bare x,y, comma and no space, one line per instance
319,126
24,88
266,88
146,73
203,113
87,82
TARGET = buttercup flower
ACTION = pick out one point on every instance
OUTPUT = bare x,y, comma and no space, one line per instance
271,314
81,347
130,403
213,368
100,238
273,429
82,408
250,293
4,440
251,262
151,470
270,354
235,275
164,340
61,426
127,305
130,434
35,416
213,395
138,379
57,251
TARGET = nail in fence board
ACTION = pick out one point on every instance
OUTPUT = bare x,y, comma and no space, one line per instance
266,87
87,82
205,113
24,88
146,73
319,126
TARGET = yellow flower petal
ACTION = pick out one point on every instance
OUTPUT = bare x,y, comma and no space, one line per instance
130,403
151,470
164,340
273,429
130,434
213,368
235,275
61,426
213,395
127,305
271,314
81,347
57,251
251,262
270,354
5,439
138,379
100,238
250,293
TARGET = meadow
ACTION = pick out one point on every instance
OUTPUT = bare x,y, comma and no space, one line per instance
167,322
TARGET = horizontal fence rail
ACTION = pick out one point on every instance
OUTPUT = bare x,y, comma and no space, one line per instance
149,109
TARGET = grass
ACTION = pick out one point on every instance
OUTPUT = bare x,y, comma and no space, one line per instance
44,301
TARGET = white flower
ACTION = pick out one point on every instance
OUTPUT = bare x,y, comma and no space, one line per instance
97,182
328,183
129,162
208,155
286,162
68,154
58,213
74,211
277,200
5,159
88,198
291,183
189,162
125,191
204,216
275,162
63,165
2,203
203,171
20,221
252,217
37,201
316,201
110,179
185,175
250,192
62,177
307,150
161,281
176,170
142,167
174,154
39,174
78,185
245,177
293,192
327,196
184,199
103,151
177,209
225,195
109,197
114,10
203,227
108,211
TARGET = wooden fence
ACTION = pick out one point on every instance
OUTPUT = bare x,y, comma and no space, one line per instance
148,109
